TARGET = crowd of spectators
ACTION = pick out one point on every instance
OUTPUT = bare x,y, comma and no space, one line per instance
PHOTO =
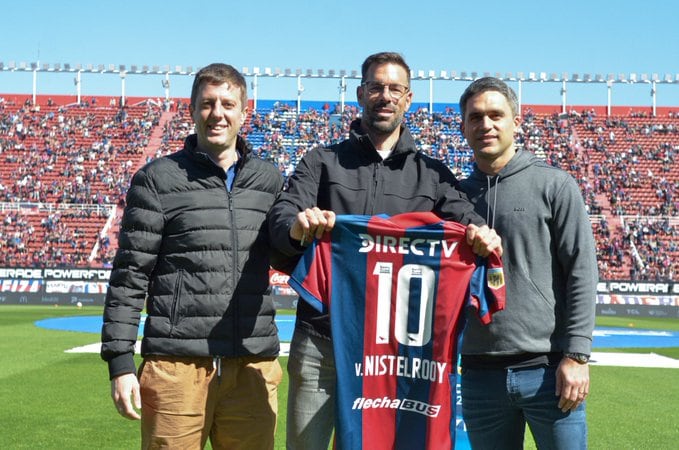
655,248
283,137
553,138
75,155
634,157
32,236
624,166
646,248
79,154
86,154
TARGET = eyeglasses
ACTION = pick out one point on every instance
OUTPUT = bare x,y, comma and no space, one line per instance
396,91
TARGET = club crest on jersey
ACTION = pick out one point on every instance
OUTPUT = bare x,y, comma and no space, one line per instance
495,278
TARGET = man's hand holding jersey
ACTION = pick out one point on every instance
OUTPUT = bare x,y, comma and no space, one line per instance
483,240
311,223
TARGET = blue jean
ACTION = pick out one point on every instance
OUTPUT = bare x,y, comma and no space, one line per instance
497,404
311,392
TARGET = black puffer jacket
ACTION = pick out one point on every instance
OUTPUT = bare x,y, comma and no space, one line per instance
351,178
199,255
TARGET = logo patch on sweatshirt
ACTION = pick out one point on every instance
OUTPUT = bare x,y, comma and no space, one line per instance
519,209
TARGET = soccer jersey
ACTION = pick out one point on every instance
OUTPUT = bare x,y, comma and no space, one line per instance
395,288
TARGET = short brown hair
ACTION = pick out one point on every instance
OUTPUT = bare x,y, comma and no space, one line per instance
489,84
218,73
383,58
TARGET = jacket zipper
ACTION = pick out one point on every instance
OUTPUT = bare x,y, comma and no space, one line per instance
371,208
175,302
234,266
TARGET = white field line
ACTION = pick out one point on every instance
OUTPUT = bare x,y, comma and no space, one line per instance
598,358
633,360
96,347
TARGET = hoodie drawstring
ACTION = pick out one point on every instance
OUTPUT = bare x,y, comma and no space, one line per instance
217,365
488,221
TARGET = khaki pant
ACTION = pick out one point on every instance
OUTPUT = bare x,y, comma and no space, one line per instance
185,400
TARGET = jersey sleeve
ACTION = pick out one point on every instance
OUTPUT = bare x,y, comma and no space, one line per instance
312,276
487,288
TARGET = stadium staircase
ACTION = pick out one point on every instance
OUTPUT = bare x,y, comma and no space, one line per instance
155,139
154,143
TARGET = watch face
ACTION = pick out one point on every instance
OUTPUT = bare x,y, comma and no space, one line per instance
579,357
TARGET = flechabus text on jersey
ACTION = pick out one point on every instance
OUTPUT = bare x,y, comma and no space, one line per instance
404,404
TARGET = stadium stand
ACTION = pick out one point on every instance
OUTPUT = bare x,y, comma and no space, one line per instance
625,168
66,169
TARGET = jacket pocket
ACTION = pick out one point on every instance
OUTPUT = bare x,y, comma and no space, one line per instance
176,299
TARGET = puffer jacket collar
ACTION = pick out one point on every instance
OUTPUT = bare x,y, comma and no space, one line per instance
243,147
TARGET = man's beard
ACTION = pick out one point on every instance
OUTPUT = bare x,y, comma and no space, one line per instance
382,126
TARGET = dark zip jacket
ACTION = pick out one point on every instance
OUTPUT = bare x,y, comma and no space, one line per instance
197,256
351,178
549,260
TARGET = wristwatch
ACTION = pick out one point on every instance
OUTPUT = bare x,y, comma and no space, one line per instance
580,358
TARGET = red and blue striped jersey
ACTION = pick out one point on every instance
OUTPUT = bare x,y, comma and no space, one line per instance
395,288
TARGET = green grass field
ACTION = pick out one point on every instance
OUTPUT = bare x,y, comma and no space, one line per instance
56,400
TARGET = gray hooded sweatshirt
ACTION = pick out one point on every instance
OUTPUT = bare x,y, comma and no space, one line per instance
549,260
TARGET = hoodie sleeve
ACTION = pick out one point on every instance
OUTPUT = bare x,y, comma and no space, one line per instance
576,252
454,205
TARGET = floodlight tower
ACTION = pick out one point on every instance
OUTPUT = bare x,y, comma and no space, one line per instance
122,88
342,89
34,66
609,85
653,92
432,75
253,85
166,85
77,81
300,89
519,88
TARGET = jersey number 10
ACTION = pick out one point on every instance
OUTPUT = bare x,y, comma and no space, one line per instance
415,284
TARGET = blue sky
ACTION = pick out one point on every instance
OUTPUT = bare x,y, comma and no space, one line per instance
492,36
